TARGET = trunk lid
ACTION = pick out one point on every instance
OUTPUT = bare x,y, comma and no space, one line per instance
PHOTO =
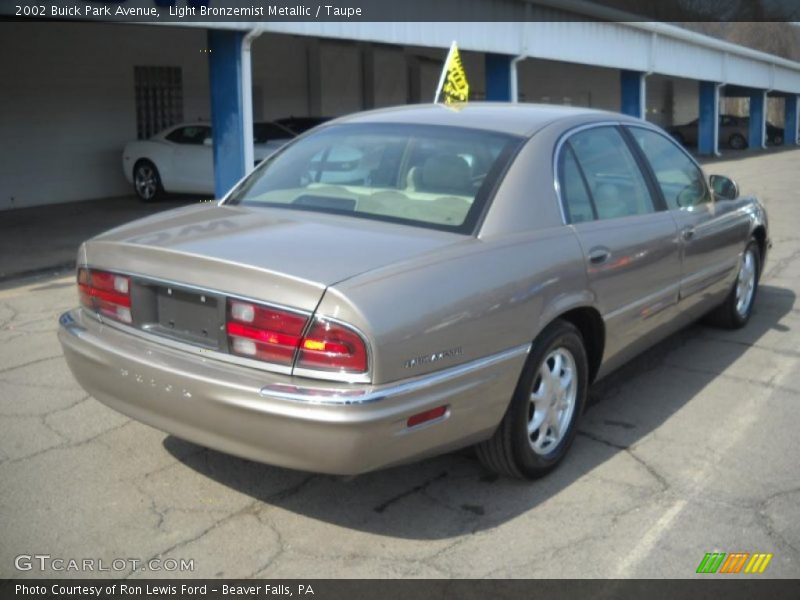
282,256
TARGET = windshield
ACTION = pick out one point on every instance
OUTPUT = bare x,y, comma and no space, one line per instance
438,177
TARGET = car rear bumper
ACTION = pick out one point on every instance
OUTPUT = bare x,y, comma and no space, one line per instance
281,420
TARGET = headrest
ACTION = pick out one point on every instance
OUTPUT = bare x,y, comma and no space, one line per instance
448,173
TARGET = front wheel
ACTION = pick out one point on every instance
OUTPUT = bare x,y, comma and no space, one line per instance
146,181
735,312
541,420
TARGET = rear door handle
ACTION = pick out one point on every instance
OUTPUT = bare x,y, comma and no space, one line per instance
599,255
687,233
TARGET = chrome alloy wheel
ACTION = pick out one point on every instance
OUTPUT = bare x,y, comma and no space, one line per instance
146,182
746,283
552,401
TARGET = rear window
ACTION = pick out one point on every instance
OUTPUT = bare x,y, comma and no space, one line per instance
437,177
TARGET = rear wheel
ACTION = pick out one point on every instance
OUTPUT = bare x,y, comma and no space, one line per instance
738,306
737,142
146,181
541,421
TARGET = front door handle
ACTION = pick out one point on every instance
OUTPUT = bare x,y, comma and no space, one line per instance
687,233
599,255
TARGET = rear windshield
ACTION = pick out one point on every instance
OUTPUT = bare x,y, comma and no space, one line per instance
437,177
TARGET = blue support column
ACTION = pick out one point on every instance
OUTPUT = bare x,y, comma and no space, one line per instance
498,77
758,119
227,110
708,125
790,123
632,93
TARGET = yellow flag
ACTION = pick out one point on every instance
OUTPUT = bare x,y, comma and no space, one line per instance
453,86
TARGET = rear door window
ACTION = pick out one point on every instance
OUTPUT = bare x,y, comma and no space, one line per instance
615,182
578,203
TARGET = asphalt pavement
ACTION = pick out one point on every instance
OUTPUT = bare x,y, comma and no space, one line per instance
43,240
691,448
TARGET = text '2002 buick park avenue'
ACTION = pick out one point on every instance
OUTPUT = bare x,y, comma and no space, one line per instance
404,282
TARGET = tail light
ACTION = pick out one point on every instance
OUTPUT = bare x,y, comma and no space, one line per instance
333,347
264,333
105,293
276,336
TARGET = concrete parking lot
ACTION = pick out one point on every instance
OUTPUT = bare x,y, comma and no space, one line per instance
692,448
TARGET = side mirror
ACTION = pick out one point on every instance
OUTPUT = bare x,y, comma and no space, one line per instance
723,187
208,142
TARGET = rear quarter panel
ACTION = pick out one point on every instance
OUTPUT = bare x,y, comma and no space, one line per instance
470,300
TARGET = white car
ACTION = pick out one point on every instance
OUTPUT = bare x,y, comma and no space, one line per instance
180,159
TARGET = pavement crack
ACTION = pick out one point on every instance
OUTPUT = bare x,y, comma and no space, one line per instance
282,546
767,523
665,485
30,363
201,534
414,490
786,352
66,446
10,319
777,267
290,491
767,384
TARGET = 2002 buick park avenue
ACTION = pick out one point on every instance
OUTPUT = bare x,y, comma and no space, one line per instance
404,282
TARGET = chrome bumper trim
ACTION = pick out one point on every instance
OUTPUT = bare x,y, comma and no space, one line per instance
278,420
326,395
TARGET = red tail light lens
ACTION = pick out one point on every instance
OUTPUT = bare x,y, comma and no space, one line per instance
264,333
333,347
106,293
275,335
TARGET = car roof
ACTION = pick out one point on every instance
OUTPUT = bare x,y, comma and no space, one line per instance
517,119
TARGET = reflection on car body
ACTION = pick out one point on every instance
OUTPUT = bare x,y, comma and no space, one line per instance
404,282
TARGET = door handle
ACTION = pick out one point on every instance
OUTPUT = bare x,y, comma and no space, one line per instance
598,256
687,233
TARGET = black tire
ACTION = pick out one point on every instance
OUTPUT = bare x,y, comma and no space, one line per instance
737,142
147,181
510,451
777,139
730,314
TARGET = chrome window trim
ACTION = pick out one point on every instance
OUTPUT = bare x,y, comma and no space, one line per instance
339,396
233,358
686,153
563,138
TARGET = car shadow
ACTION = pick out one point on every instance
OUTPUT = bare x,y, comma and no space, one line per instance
453,495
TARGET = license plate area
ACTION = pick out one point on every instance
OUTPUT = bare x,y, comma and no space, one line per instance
183,315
